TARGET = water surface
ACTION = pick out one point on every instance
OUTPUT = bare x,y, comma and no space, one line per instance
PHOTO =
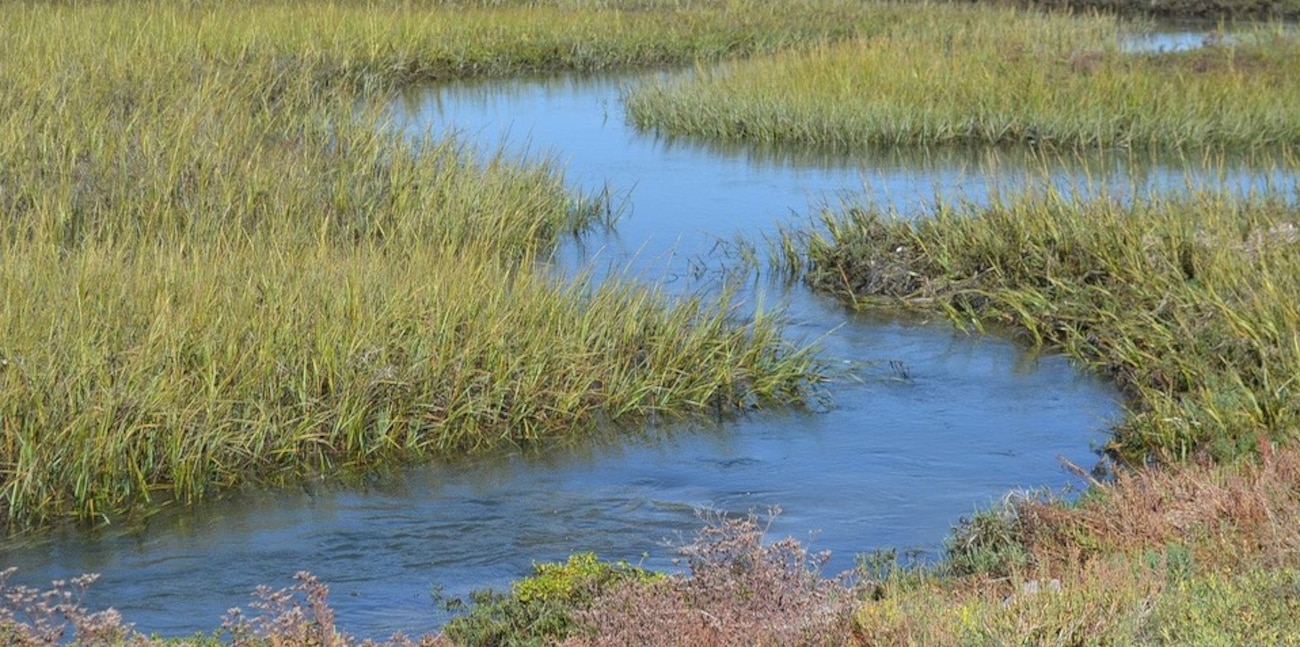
682,196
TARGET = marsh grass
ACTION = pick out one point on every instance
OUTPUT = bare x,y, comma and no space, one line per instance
219,265
1186,301
951,75
387,44
135,370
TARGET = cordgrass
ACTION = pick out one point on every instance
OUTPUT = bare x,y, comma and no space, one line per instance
1187,301
962,75
395,43
219,266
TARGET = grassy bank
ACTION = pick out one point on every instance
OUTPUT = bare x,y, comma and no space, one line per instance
952,75
219,266
1188,303
1188,555
1185,301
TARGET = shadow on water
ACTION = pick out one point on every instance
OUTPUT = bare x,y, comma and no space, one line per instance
923,425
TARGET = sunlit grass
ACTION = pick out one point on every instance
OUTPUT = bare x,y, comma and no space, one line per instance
219,265
963,75
133,369
1188,302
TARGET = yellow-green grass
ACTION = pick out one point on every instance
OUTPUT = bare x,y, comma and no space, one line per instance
1125,601
218,265
395,42
953,75
129,370
1188,302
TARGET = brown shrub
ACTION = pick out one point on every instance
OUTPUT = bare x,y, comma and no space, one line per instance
1226,515
32,617
738,591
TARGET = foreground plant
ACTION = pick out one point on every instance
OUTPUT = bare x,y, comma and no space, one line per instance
298,616
544,607
42,618
737,590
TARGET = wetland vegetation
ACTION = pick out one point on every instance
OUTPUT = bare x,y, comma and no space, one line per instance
1186,301
217,269
981,76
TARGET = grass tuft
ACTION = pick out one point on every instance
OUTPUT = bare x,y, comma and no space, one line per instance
1185,301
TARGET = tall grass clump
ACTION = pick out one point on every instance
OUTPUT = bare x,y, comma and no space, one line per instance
951,75
219,266
1188,301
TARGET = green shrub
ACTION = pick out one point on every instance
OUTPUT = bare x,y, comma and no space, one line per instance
538,609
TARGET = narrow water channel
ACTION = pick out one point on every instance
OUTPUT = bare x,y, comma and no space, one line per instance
923,424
